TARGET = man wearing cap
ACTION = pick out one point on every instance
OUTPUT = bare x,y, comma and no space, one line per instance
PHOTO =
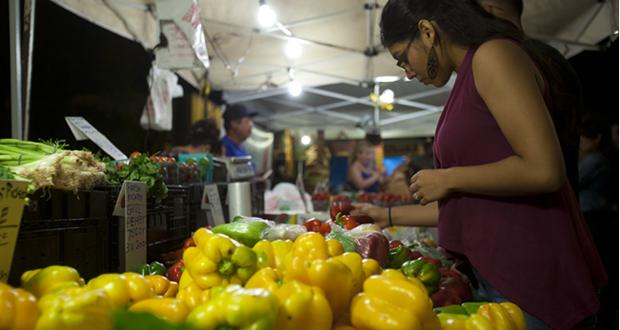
238,125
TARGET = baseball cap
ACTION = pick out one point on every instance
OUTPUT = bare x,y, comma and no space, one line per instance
237,111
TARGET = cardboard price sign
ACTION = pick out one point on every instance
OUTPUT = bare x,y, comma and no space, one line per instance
213,205
131,207
12,199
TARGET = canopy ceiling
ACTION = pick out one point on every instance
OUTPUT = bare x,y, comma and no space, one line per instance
336,39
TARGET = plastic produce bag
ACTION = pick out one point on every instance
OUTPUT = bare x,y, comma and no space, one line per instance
157,113
339,234
283,232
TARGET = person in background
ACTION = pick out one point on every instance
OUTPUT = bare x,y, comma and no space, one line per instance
566,106
203,137
363,174
317,162
498,192
238,125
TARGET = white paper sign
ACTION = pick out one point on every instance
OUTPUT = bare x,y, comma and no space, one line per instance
131,206
12,195
211,202
83,130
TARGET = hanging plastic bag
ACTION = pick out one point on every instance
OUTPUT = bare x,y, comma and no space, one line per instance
157,113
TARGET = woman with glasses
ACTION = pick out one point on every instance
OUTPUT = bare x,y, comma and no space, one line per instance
498,193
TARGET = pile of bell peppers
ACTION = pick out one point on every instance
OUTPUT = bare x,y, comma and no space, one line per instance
481,316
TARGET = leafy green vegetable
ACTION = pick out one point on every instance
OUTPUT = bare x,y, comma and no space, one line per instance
138,169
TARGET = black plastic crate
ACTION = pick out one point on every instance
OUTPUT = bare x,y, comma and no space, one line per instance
77,243
48,205
167,222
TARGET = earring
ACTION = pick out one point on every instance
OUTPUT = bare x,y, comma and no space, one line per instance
432,64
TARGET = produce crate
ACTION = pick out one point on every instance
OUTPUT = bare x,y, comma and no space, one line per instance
197,216
63,228
167,223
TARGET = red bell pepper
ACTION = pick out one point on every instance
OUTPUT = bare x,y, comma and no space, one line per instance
175,271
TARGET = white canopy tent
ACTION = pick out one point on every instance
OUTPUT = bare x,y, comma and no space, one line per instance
341,54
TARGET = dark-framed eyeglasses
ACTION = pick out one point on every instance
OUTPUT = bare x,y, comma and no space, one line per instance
402,60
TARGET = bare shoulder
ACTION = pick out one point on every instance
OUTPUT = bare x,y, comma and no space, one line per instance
500,53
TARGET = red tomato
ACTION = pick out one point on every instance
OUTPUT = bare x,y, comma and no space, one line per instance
395,243
312,223
350,224
325,228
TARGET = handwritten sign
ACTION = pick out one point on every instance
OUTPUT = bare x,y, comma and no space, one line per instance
12,197
83,130
131,207
212,203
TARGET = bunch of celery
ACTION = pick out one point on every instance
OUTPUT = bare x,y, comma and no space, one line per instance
49,165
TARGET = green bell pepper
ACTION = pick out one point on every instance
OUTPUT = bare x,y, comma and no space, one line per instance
426,272
245,232
154,268
398,256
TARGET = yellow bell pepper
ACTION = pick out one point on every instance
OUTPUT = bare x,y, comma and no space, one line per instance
218,260
310,246
478,322
75,309
235,307
41,281
334,248
371,267
266,278
122,289
18,308
336,281
392,301
504,316
272,254
306,248
192,295
169,309
354,262
302,307
162,286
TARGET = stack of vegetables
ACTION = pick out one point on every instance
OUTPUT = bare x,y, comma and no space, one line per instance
139,168
48,165
309,283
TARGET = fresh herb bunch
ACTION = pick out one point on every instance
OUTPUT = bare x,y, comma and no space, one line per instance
142,169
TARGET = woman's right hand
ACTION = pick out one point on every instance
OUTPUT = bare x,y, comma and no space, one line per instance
379,214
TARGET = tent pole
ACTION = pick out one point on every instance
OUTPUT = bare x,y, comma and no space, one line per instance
29,15
16,74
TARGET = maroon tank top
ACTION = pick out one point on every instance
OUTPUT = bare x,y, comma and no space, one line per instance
537,251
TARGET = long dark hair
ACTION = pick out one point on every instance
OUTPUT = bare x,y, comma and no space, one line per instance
463,21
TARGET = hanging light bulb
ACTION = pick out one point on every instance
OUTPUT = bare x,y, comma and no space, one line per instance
305,140
294,88
292,49
266,16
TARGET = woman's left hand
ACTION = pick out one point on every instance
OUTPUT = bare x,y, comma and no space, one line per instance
429,185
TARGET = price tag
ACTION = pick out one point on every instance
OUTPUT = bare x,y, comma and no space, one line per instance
131,207
211,202
83,130
12,197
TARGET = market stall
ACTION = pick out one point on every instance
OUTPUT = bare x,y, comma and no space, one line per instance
197,240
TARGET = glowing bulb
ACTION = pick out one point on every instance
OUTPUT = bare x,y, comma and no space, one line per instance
292,49
266,16
294,88
305,140
387,96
